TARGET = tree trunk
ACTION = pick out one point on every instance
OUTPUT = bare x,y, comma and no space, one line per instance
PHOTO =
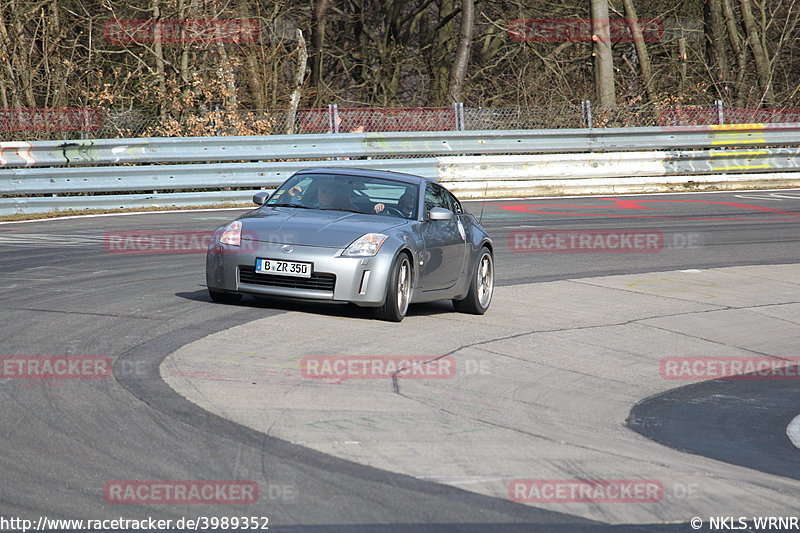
440,53
715,20
185,13
632,20
58,73
738,49
760,54
459,70
299,76
255,81
159,54
683,58
318,38
20,58
230,99
7,59
603,59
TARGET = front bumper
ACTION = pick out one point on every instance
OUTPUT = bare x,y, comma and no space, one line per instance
360,280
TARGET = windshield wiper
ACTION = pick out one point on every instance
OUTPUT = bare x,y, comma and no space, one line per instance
337,209
299,206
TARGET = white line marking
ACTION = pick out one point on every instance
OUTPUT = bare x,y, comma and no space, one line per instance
127,213
758,197
787,196
463,480
619,195
793,431
44,240
771,196
473,200
520,227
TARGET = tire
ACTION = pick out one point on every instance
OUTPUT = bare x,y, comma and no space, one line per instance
481,286
398,291
224,297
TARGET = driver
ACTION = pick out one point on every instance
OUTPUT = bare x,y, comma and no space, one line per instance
405,204
331,195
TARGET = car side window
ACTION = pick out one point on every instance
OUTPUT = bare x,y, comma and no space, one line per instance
453,201
438,196
434,197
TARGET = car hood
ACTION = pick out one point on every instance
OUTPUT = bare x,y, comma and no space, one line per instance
312,227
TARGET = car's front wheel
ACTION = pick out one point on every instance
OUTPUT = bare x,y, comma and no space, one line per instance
481,286
224,297
398,291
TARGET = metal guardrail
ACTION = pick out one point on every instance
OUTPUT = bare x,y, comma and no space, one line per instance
458,168
271,147
82,169
616,164
177,177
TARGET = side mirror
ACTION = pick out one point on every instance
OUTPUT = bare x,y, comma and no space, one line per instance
440,213
260,197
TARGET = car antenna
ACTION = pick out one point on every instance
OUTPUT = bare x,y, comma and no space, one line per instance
483,203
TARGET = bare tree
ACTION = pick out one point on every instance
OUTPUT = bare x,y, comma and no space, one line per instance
632,20
760,54
318,40
716,39
739,50
299,76
459,70
158,52
603,58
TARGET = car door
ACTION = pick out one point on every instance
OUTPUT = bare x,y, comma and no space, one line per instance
445,245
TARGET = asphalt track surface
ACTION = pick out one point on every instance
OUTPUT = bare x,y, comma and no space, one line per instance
742,422
64,293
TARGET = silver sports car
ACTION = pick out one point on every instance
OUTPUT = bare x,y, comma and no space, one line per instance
373,238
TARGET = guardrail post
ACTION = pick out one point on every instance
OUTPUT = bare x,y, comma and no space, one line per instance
333,118
720,111
586,106
458,112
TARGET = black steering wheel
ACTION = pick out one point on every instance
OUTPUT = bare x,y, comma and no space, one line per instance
393,211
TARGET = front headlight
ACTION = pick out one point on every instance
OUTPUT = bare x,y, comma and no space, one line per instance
232,234
366,245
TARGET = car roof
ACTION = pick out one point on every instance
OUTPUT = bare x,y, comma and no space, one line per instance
368,173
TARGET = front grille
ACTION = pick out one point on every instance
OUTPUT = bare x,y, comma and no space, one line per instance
317,281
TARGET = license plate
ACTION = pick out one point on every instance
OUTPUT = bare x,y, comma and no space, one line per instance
283,268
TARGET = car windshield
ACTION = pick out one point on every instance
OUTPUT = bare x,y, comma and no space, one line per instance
359,194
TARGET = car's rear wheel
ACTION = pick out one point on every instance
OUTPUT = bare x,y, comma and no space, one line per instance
398,291
224,297
481,286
